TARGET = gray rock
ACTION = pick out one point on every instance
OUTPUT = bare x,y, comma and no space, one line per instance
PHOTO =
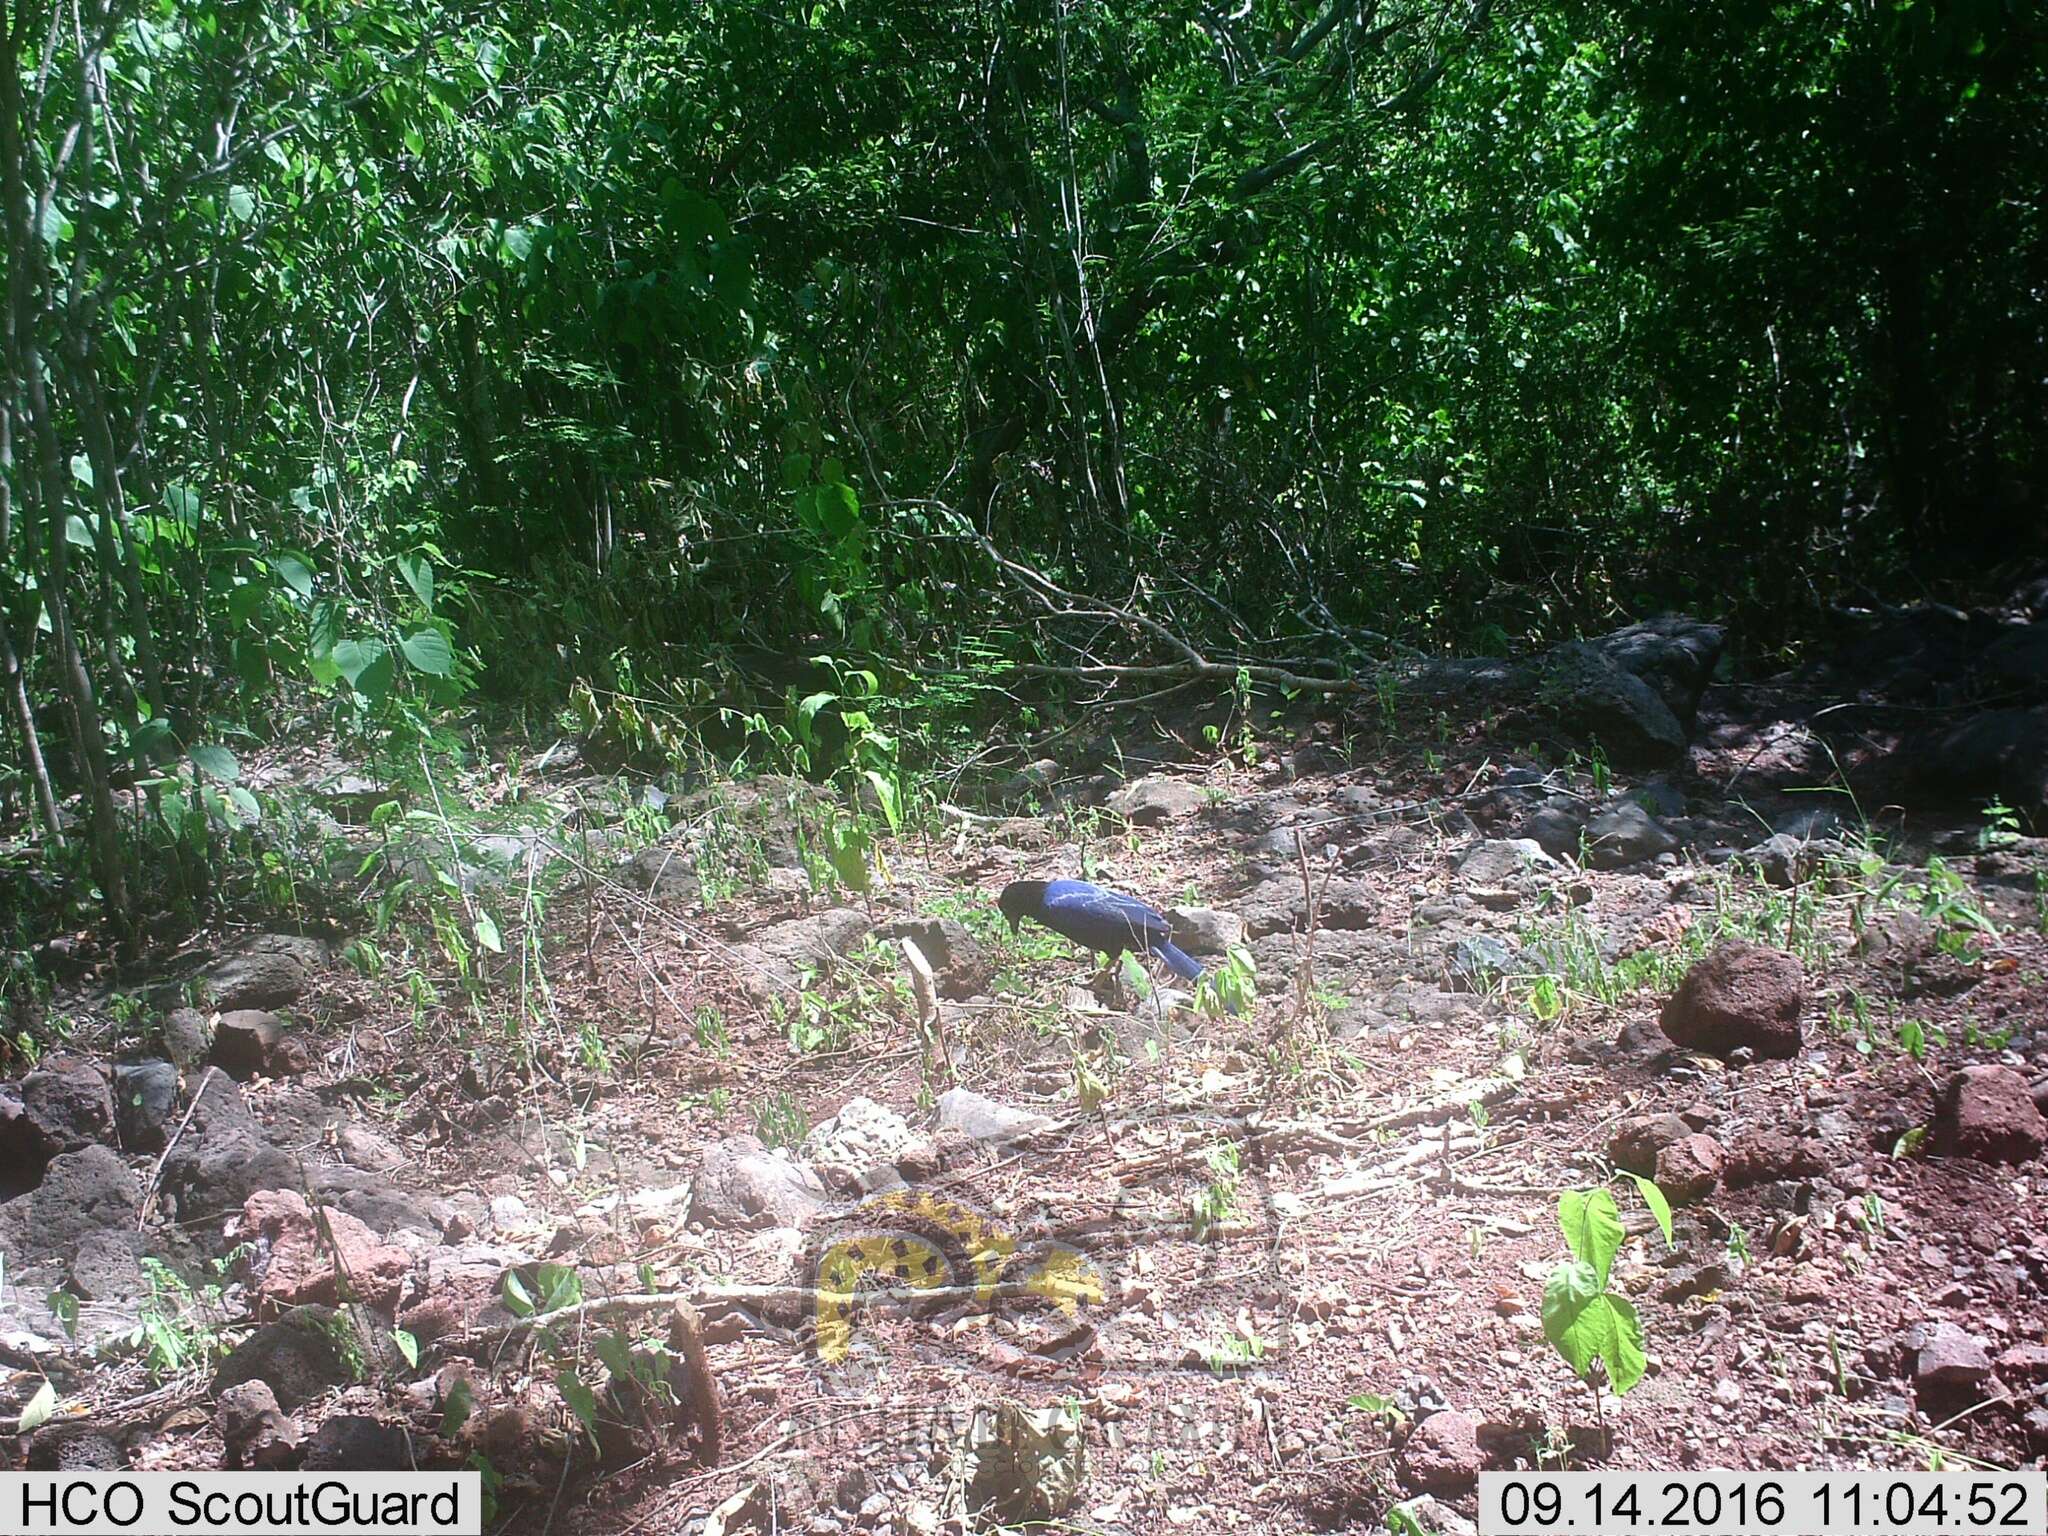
355,1442
1556,825
188,1036
371,1198
667,871
57,1108
108,1267
1498,860
1475,963
254,1433
305,1353
1784,860
145,1092
1950,1359
1625,834
967,1113
1675,655
1603,701
1157,798
743,1185
785,951
223,1157
1205,930
82,1194
957,959
267,971
862,1134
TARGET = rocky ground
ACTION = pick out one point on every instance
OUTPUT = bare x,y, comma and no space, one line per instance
1269,1257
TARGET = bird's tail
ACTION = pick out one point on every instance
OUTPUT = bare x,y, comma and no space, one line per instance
1178,961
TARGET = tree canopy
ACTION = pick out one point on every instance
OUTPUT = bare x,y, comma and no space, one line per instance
362,357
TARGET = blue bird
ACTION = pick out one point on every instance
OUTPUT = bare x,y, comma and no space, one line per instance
1096,919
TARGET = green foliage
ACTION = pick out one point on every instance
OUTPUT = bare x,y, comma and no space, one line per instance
1583,1318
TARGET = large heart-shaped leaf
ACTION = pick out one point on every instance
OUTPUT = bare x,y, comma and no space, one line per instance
429,650
217,761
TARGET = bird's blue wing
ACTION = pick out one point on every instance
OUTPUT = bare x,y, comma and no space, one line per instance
1106,911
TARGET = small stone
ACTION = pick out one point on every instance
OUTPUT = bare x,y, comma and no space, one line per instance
1205,930
1688,1169
1950,1359
1443,1454
2024,1365
967,1113
253,1430
1988,1113
1773,1155
1636,1142
1148,801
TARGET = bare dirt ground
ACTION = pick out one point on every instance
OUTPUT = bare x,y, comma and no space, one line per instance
1313,1237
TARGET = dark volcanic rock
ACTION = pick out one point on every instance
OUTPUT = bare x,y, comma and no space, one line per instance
145,1092
1740,995
253,1431
1603,701
223,1157
301,1355
267,971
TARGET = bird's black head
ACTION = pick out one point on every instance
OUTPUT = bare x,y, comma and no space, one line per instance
1021,898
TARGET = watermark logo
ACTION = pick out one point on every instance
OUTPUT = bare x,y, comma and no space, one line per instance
916,1247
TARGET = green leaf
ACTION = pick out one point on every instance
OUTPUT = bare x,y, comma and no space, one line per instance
294,573
457,1407
81,470
837,509
408,1346
245,803
1592,1229
807,712
1585,1322
581,1400
39,1409
487,934
367,665
217,761
56,227
242,203
429,650
517,1298
1660,1207
419,575
891,800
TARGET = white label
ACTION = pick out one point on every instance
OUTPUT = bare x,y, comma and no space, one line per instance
234,1503
1961,1503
